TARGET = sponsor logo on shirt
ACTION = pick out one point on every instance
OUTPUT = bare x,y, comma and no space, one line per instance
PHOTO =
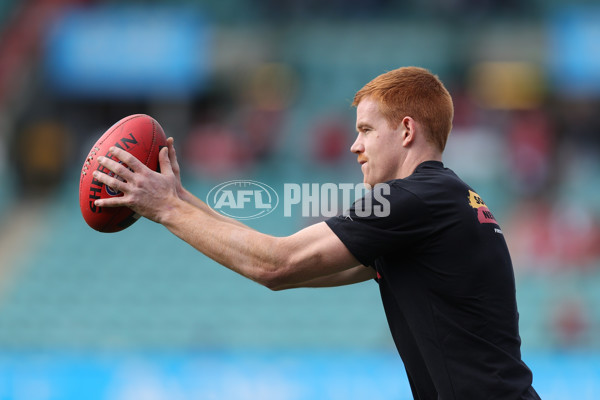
484,215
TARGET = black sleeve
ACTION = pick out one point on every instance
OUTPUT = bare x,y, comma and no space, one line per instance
381,222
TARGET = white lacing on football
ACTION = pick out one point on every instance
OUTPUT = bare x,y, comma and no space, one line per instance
88,159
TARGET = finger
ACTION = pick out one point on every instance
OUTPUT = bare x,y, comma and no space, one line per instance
165,162
118,168
172,154
171,145
111,202
129,159
111,182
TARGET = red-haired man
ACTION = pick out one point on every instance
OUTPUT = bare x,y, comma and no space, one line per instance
439,256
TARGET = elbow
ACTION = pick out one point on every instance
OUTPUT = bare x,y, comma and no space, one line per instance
282,271
278,288
278,275
275,279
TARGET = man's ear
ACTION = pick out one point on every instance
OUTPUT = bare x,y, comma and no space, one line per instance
407,129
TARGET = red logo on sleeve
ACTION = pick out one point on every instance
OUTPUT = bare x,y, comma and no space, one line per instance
484,215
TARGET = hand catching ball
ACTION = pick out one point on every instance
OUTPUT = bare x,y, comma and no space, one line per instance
140,135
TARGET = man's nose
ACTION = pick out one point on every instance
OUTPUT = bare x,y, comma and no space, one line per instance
357,147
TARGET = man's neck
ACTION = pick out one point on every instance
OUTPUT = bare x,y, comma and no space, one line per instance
412,162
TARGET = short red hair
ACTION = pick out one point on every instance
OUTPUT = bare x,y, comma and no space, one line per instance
413,92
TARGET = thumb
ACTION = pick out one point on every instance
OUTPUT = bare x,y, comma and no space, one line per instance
164,162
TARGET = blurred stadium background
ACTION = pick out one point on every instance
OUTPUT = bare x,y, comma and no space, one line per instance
262,90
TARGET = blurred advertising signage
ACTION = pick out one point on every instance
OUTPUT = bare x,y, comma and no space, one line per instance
250,375
129,51
574,51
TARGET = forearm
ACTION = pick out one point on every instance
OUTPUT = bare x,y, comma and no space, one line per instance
271,261
226,241
188,197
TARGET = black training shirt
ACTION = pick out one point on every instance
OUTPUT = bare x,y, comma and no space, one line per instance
447,285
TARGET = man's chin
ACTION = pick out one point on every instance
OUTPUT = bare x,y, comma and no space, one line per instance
369,184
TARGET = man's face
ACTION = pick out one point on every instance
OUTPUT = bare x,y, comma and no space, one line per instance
378,146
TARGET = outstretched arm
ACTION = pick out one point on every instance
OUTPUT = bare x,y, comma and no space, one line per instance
314,256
